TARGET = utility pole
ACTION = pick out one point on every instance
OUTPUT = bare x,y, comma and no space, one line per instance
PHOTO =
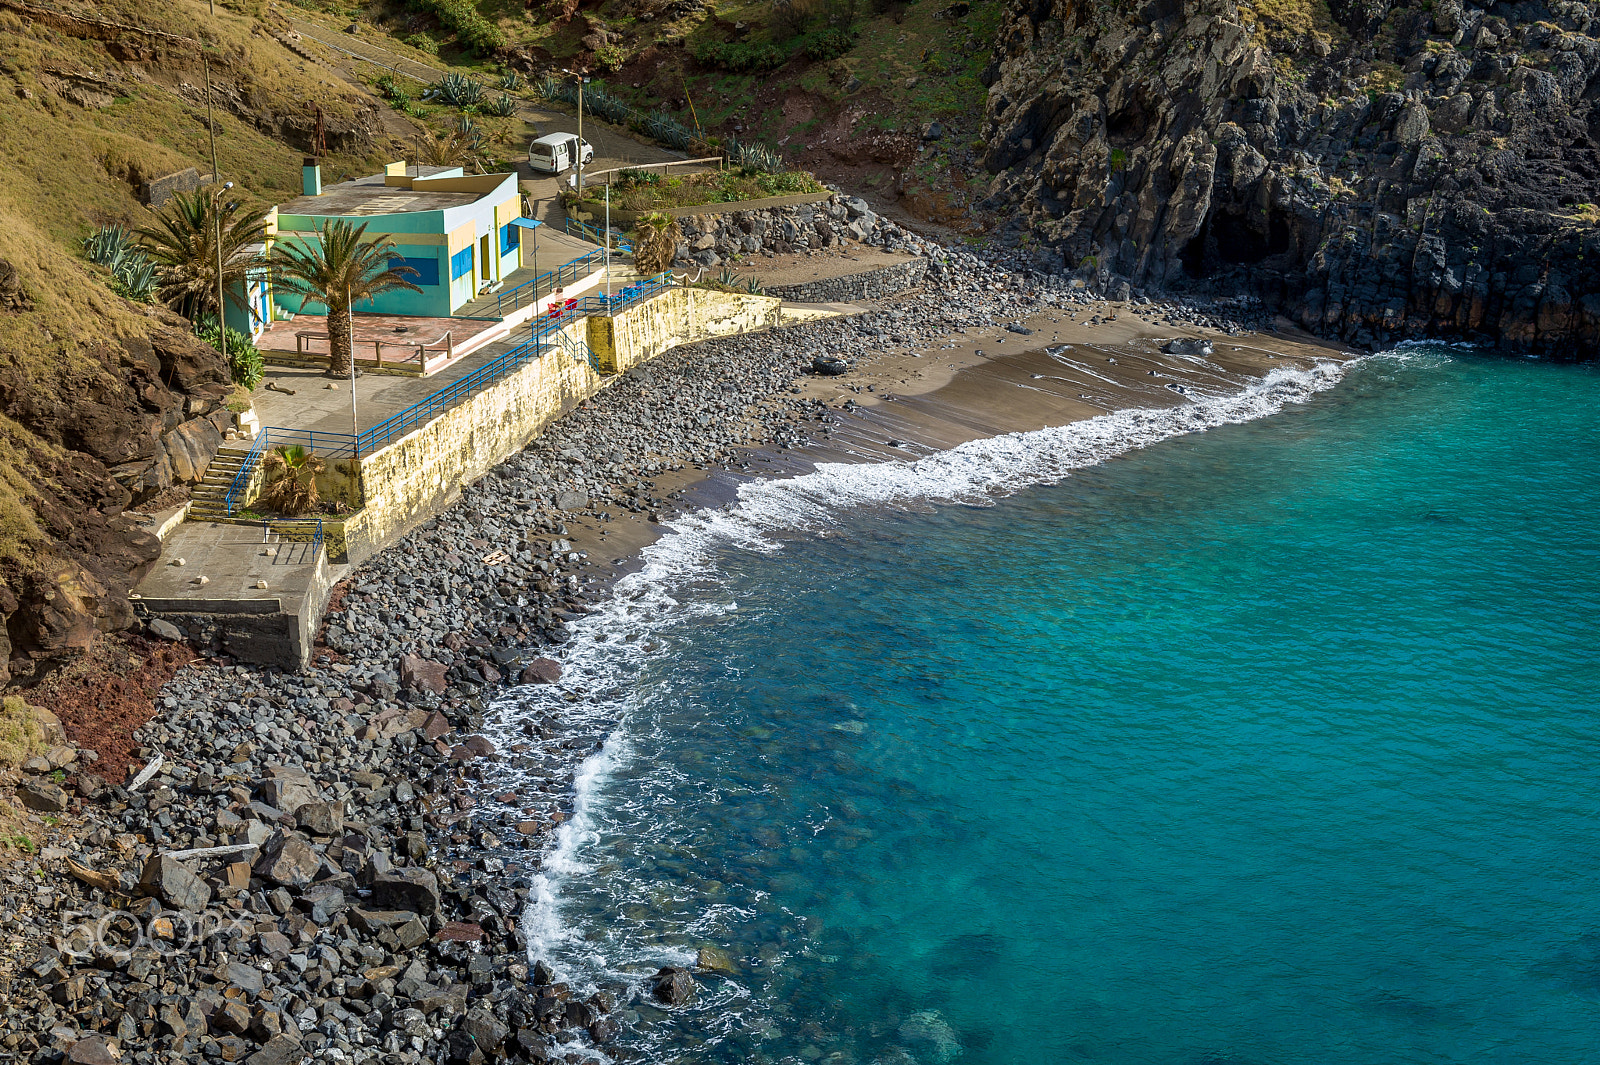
581,79
216,210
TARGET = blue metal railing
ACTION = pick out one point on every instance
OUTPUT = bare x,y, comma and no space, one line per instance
595,235
329,445
528,291
241,480
539,337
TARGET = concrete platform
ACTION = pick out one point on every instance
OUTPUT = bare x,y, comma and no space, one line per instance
272,625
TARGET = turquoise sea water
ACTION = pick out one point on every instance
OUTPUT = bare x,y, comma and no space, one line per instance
1274,743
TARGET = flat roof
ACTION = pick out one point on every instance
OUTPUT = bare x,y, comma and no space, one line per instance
371,196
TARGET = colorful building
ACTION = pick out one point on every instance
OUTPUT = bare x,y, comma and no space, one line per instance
461,234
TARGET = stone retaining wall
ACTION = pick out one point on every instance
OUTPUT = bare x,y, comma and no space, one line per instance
869,285
416,476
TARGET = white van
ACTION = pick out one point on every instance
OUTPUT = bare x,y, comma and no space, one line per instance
554,152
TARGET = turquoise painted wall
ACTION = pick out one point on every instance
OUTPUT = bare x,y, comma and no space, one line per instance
439,301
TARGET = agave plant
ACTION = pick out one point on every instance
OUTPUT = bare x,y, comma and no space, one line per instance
132,271
726,279
457,90
757,157
553,88
502,106
511,82
754,286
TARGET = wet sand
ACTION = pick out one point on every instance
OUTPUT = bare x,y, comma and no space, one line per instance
906,402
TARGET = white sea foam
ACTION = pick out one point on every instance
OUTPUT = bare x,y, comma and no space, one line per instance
646,603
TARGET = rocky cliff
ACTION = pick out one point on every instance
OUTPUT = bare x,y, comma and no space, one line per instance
1375,172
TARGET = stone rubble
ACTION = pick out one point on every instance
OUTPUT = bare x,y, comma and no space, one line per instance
357,895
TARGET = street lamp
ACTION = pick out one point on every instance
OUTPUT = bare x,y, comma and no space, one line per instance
582,80
355,426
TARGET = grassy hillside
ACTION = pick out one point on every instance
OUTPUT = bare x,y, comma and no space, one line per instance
844,88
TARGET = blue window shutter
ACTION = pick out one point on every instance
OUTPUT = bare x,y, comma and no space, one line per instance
510,237
427,269
461,263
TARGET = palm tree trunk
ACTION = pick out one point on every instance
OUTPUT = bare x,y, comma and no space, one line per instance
341,343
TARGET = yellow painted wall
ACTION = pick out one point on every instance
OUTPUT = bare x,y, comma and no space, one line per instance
414,478
675,317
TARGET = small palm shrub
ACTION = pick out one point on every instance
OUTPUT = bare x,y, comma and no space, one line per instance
659,234
290,479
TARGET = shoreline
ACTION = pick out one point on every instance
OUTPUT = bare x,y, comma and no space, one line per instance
900,407
377,882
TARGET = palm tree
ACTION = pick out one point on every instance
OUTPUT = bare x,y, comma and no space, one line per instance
289,474
659,234
338,271
183,245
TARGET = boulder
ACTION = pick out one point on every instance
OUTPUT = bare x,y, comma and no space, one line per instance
282,1049
320,818
322,902
1197,347
174,884
674,985
472,747
42,796
485,1030
163,629
541,671
95,1050
422,674
288,860
288,788
410,888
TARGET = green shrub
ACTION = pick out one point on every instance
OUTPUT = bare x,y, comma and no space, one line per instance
422,42
610,57
244,360
476,33
830,44
738,58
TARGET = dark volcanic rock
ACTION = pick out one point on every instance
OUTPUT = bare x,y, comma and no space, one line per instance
674,985
174,884
410,888
1422,169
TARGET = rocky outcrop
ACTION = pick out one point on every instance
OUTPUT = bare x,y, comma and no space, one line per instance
709,240
109,427
1376,171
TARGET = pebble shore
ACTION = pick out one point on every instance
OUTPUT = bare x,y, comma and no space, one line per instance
315,869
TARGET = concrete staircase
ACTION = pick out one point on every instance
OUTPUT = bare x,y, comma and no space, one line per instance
207,501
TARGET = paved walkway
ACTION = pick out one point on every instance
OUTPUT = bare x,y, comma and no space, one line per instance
315,406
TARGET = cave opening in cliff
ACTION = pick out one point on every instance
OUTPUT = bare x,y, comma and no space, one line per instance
1229,239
